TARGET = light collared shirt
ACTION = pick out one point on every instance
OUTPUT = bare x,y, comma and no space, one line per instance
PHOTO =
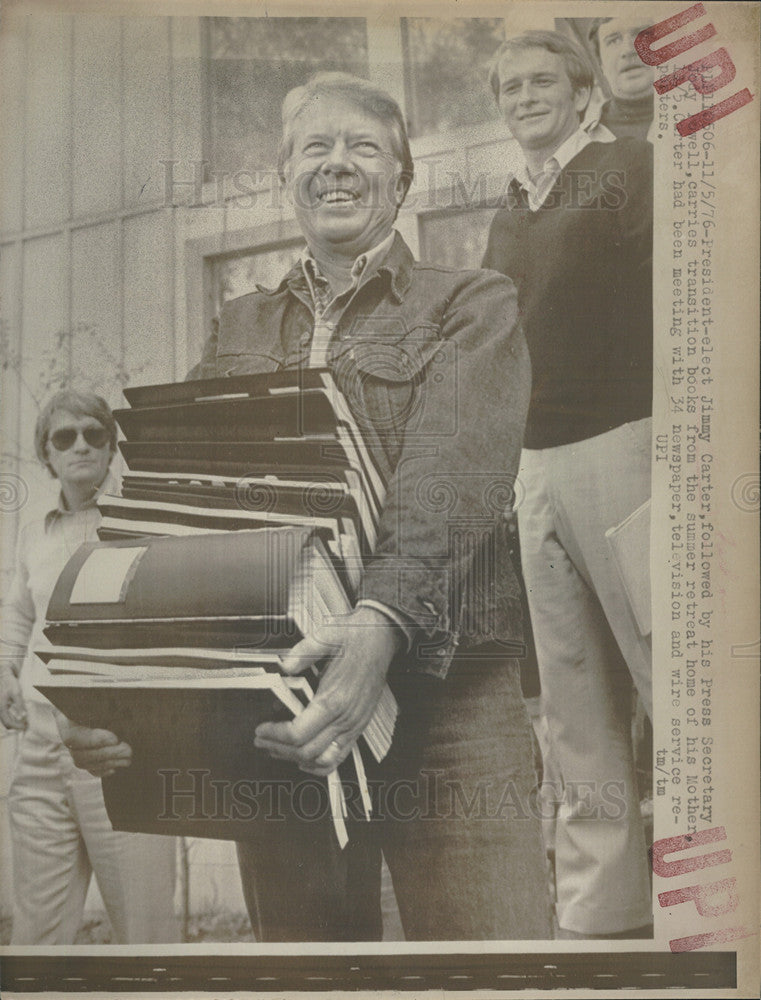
327,307
43,548
538,187
327,304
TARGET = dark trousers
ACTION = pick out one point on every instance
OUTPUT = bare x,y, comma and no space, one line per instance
455,815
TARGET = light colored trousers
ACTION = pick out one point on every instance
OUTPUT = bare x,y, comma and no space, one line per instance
61,834
589,650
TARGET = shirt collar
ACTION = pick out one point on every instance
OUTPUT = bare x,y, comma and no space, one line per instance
109,485
538,188
398,264
364,265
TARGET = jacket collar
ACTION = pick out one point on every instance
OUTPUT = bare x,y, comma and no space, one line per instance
398,264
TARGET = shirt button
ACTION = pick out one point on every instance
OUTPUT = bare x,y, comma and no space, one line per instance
329,326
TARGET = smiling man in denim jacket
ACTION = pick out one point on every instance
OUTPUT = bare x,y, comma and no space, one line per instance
435,368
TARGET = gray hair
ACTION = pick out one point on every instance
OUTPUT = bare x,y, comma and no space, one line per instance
577,63
355,90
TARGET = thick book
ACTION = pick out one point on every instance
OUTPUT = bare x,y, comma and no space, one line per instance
242,418
297,404
230,598
248,506
258,384
206,514
195,770
303,498
211,589
325,459
85,668
190,721
320,459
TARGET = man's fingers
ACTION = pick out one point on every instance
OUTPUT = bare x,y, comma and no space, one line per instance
105,770
13,718
306,653
118,756
322,762
328,748
98,751
10,723
77,737
81,738
310,758
103,761
299,731
314,740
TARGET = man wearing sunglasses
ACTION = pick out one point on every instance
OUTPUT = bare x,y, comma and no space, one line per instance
60,831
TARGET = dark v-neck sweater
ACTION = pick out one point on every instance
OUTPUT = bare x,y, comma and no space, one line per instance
583,267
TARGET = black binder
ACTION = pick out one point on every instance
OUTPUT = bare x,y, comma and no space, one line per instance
195,770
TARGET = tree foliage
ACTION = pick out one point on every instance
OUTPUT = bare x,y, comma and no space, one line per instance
447,71
253,63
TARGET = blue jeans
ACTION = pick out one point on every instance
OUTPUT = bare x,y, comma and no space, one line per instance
455,816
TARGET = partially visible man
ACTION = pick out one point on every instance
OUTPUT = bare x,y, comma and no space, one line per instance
434,366
631,109
576,236
60,830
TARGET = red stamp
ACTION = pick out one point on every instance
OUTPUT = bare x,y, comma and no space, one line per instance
699,73
713,899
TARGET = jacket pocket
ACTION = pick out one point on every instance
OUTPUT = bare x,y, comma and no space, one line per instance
387,348
384,379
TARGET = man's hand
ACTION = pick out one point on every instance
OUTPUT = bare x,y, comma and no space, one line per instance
95,750
361,647
12,707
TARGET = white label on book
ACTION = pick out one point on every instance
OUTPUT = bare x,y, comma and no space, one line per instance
105,575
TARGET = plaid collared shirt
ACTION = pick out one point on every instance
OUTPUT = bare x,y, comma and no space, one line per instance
327,305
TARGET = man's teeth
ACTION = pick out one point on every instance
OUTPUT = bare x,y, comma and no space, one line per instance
334,196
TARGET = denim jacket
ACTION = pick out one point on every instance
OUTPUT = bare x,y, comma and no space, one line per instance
435,368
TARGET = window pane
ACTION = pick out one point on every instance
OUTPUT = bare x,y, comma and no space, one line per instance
446,62
239,275
252,63
457,239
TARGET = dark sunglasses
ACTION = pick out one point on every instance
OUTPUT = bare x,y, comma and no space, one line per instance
65,437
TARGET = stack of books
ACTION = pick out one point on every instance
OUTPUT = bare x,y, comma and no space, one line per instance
248,509
248,451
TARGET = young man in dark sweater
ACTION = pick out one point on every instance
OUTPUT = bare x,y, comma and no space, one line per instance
576,237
